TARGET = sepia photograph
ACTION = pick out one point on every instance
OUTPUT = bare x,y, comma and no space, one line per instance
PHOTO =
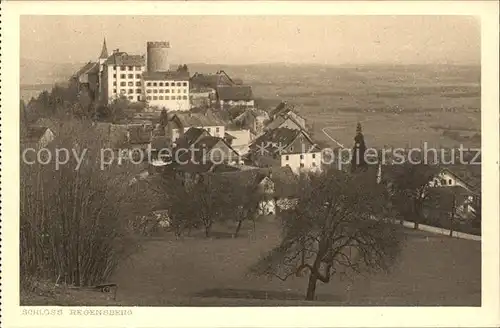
272,160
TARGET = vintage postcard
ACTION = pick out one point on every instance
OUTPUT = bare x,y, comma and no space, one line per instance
250,164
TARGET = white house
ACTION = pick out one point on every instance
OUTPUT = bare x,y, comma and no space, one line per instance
169,90
287,147
182,122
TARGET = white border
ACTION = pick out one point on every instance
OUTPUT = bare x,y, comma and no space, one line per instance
486,315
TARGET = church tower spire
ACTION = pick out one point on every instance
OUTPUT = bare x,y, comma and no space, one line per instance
104,51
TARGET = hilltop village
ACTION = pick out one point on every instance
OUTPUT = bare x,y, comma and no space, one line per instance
230,161
184,110
167,107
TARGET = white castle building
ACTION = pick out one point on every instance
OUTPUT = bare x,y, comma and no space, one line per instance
137,78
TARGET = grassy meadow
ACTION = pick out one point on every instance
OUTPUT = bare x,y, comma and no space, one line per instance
194,271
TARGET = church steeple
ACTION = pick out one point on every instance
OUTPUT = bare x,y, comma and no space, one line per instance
104,51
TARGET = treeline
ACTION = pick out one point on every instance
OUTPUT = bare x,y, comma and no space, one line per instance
68,101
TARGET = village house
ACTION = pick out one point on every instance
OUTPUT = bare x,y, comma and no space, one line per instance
252,119
168,90
277,186
284,116
465,181
286,147
237,95
179,123
197,153
240,140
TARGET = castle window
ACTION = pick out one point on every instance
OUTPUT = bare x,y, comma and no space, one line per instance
123,84
167,97
114,90
314,155
131,68
179,98
160,91
130,90
148,90
449,182
287,158
114,67
155,90
138,84
114,83
131,76
217,129
123,68
301,156
114,76
137,76
178,90
209,130
179,84
131,84
138,91
166,84
291,148
184,97
160,97
185,84
313,163
155,98
301,164
185,90
130,97
123,76
148,84
123,91
148,97
167,90
155,84
161,84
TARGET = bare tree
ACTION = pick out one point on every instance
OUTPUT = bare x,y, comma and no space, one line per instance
410,184
337,224
74,220
201,203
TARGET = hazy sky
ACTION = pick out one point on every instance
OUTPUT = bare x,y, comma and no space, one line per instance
259,39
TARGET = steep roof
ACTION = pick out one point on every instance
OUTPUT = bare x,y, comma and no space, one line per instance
84,69
124,59
282,118
278,139
104,51
283,107
198,119
190,136
469,174
34,133
237,92
285,182
166,76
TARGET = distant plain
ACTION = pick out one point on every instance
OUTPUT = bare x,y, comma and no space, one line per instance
398,106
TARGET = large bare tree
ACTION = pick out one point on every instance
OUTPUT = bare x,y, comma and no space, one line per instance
337,225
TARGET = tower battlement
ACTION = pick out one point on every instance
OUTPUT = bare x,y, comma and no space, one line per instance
158,44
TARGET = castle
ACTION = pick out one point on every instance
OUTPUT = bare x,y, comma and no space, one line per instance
138,78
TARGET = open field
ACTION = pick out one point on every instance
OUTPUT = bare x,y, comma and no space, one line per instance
432,270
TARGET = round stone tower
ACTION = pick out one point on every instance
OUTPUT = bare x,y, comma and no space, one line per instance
158,56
